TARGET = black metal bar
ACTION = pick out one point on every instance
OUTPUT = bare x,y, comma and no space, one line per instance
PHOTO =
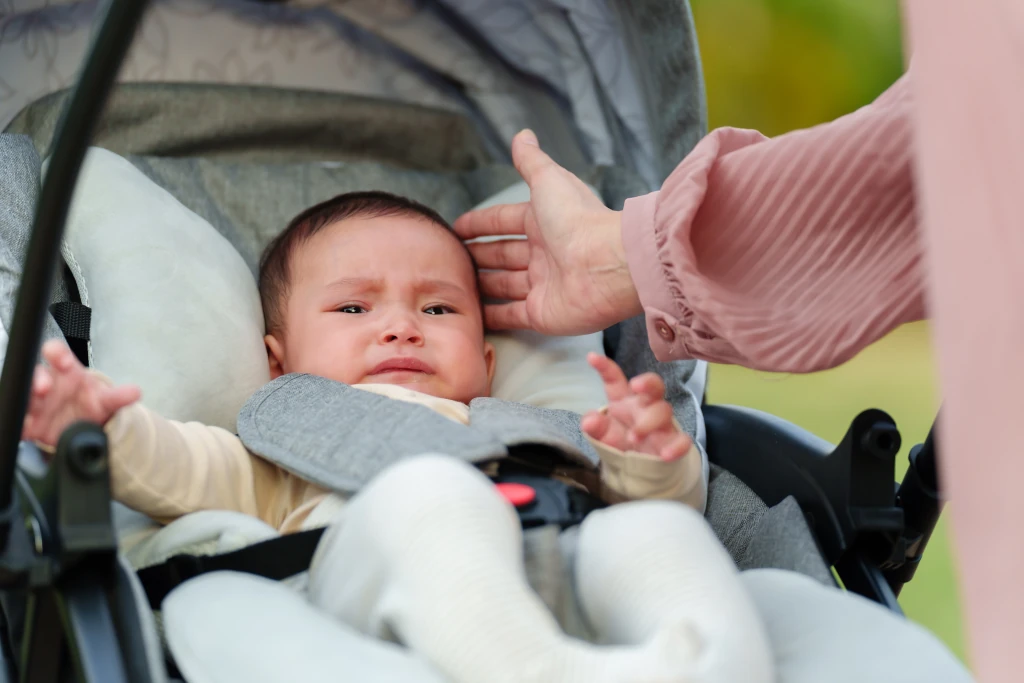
860,575
43,647
109,46
88,620
921,499
76,572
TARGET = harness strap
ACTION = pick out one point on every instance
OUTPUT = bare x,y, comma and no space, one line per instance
552,502
74,321
276,558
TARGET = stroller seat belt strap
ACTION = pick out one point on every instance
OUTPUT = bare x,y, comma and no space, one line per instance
277,559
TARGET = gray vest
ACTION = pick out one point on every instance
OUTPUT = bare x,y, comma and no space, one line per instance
340,438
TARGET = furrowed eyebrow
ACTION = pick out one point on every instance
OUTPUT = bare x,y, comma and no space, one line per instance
440,287
426,286
361,284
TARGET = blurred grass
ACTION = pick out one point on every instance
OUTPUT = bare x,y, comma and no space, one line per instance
780,65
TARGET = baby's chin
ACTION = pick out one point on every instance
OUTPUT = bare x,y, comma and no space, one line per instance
416,381
424,384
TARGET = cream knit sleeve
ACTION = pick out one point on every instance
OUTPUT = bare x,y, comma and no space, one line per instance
166,469
630,475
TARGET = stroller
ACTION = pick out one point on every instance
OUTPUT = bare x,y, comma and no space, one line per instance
478,72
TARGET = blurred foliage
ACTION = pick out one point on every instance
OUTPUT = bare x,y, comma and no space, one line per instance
779,65
776,65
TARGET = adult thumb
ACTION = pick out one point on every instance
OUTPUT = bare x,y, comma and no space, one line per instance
527,156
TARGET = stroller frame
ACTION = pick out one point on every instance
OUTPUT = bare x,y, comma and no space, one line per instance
57,539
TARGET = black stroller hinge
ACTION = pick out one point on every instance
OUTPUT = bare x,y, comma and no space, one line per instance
891,525
870,529
75,611
920,498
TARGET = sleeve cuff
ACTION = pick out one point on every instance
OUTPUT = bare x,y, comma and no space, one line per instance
631,475
639,241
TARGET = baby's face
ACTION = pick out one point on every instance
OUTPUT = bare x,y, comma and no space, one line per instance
385,300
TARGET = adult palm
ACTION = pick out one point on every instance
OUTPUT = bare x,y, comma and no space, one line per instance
569,276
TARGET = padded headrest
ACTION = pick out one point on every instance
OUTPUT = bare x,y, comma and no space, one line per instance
175,305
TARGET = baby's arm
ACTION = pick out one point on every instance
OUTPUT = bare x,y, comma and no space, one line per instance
644,453
162,468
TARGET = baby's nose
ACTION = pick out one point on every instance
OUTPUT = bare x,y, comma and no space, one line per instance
403,331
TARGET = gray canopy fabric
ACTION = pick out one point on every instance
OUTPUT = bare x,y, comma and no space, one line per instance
603,82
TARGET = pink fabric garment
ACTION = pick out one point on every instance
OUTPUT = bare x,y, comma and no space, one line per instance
786,254
794,253
969,137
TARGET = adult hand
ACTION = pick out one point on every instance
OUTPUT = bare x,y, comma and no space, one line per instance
570,275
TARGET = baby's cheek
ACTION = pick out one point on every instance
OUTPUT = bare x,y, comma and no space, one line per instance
483,379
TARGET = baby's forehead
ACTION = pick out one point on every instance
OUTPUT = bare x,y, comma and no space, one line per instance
384,241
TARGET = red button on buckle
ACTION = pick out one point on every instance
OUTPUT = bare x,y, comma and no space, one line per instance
520,495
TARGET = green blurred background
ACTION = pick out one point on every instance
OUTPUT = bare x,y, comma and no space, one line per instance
778,65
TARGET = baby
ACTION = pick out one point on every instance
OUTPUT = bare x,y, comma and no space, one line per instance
376,292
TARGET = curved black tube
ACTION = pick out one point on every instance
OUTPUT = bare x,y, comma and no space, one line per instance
74,132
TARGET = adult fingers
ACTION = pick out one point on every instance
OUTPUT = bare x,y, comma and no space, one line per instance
528,158
506,316
501,255
505,284
502,219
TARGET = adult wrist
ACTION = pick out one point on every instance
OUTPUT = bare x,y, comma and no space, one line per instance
611,272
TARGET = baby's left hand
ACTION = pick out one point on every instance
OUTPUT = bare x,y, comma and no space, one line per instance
638,417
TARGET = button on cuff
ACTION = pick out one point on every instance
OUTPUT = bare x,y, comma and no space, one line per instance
664,331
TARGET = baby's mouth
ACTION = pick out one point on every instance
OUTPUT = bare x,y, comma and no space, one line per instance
402,365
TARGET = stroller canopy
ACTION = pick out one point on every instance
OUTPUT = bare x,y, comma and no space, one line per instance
602,82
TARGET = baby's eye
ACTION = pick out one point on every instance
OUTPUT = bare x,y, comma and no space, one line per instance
352,308
438,310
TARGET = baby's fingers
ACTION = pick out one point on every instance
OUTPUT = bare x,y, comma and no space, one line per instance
654,417
595,424
649,385
677,446
42,382
112,399
58,356
615,384
28,428
604,428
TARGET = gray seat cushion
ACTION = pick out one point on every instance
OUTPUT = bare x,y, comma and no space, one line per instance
759,537
19,178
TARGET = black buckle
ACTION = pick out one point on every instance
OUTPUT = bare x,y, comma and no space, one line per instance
556,503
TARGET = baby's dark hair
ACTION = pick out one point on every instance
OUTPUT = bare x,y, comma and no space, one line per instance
275,263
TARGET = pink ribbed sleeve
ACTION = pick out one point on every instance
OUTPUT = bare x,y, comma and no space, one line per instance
786,254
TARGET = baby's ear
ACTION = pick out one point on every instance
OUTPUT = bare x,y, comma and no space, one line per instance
275,355
491,360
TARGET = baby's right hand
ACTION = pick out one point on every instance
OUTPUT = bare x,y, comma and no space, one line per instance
65,393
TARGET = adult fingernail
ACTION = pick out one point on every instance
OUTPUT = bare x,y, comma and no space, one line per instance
529,137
